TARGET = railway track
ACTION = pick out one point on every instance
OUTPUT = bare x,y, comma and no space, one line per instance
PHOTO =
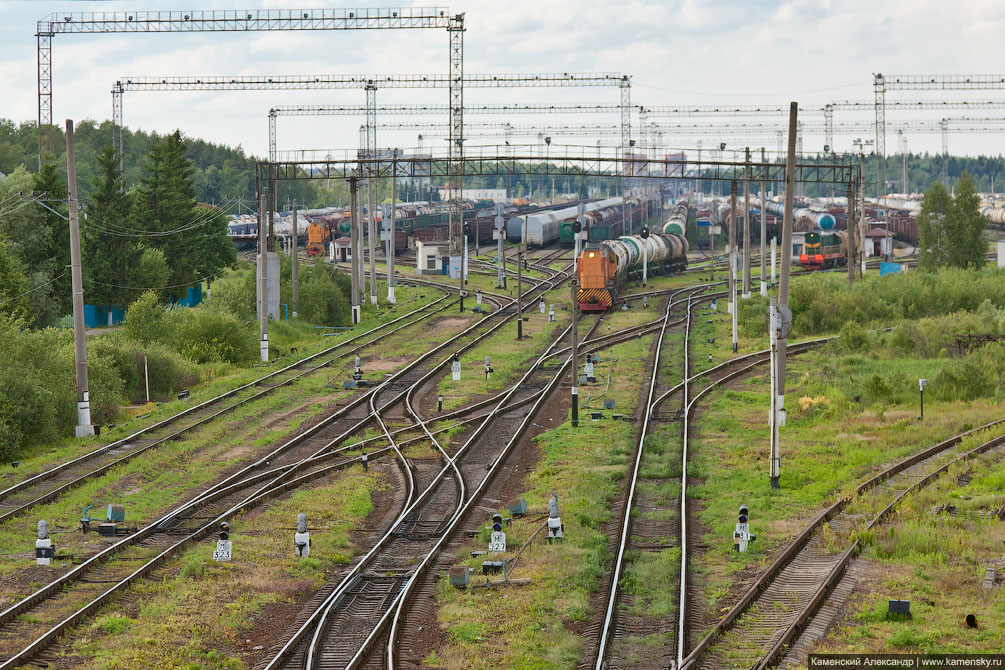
50,484
365,600
67,600
649,525
775,616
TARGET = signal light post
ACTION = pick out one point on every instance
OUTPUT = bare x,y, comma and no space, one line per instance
921,387
644,234
575,355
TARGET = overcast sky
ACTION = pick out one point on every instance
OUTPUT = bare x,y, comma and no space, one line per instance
678,52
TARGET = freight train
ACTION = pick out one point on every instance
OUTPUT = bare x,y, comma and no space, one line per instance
543,227
603,269
677,221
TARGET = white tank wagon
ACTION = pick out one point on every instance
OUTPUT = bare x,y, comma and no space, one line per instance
677,221
542,227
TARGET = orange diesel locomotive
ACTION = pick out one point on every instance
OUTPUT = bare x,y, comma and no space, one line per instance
603,270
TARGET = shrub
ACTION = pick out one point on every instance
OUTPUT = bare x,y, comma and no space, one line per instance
876,389
853,336
206,336
145,318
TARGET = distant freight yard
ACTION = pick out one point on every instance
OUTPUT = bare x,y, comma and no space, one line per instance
497,382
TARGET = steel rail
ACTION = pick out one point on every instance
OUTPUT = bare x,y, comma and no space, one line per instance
397,606
774,655
630,498
175,417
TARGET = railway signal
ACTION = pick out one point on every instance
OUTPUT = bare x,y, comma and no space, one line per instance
921,387
497,541
742,536
644,233
302,538
575,354
488,367
455,368
44,551
224,548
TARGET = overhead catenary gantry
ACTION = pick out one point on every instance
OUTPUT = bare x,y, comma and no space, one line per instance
234,20
934,82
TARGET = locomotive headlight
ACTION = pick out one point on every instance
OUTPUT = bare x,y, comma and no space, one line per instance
592,254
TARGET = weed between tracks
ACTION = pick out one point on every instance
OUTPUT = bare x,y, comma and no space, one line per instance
508,356
937,560
536,626
210,615
217,378
836,436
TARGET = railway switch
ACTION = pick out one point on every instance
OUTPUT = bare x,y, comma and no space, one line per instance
554,520
742,535
302,538
44,549
224,548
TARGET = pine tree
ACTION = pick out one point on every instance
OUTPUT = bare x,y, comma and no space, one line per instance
192,237
53,253
111,249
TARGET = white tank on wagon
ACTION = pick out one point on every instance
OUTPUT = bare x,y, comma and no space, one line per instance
542,227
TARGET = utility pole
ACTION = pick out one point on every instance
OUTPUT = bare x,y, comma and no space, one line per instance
731,256
391,248
361,266
519,282
764,226
850,229
861,200
746,226
354,233
296,263
575,354
783,315
263,283
499,224
83,427
371,234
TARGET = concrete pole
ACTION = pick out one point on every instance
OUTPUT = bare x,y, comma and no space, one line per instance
354,233
774,255
645,261
783,284
391,248
575,355
501,260
296,263
263,283
358,249
861,209
83,427
774,457
519,282
732,260
850,229
764,228
371,233
746,227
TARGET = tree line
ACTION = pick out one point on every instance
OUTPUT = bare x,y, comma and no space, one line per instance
154,234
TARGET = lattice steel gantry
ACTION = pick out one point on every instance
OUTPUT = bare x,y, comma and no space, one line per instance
213,21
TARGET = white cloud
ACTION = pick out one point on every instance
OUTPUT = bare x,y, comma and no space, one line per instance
678,52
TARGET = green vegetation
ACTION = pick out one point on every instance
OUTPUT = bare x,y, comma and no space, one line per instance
527,626
937,561
824,302
201,614
951,228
